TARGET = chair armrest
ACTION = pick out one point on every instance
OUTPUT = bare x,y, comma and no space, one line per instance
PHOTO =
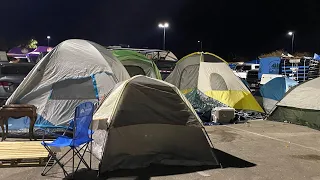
46,131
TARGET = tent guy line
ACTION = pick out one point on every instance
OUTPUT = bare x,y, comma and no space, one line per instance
276,139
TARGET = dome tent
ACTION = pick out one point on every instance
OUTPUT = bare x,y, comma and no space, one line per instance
211,75
301,105
137,64
74,71
147,121
273,91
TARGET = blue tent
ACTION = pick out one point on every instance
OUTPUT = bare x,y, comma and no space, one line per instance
273,91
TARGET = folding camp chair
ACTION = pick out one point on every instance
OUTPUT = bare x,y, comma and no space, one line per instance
80,140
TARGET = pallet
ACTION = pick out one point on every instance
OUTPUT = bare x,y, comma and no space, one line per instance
29,153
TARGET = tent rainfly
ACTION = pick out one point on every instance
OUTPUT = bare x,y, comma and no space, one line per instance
212,76
301,105
137,64
148,121
73,72
273,91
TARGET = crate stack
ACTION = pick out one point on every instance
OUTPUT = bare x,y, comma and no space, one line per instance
313,69
299,70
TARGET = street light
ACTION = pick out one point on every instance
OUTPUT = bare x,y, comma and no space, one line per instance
200,45
164,26
48,37
290,33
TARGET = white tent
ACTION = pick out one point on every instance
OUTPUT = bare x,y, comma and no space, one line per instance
147,121
73,72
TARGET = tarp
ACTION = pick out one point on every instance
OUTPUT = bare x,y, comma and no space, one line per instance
73,72
213,77
316,57
40,49
273,91
19,52
269,65
147,121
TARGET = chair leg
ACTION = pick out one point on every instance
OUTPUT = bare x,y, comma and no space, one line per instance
81,156
90,151
45,167
73,161
57,162
72,157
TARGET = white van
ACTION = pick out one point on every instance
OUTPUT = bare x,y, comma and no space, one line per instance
242,69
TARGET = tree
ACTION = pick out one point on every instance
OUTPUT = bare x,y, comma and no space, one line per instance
302,54
32,44
277,53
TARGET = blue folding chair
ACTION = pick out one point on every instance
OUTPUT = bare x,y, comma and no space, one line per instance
81,137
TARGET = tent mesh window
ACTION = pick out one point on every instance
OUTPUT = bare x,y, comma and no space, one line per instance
189,77
81,88
217,82
210,58
134,70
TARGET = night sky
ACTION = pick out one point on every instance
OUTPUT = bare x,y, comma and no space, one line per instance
227,27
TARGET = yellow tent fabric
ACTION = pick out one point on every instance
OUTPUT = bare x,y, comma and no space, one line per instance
211,75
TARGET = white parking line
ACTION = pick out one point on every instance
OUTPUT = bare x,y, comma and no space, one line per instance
311,148
203,174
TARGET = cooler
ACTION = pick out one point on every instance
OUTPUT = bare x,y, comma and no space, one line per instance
222,114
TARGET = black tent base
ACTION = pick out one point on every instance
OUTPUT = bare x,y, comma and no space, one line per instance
305,117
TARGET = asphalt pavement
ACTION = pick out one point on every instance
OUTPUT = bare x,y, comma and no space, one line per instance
256,150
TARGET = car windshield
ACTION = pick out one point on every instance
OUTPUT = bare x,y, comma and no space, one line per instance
246,68
243,68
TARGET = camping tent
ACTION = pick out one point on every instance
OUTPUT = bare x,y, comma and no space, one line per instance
73,72
137,64
148,121
301,105
213,77
273,91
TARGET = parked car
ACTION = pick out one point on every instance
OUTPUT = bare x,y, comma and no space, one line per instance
11,75
253,80
241,70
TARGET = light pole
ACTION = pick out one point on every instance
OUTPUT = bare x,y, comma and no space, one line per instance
200,45
48,38
290,33
164,26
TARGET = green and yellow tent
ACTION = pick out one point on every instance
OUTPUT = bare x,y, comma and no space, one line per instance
211,75
137,64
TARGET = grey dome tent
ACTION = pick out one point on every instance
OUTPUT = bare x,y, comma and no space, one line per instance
301,105
147,121
73,72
